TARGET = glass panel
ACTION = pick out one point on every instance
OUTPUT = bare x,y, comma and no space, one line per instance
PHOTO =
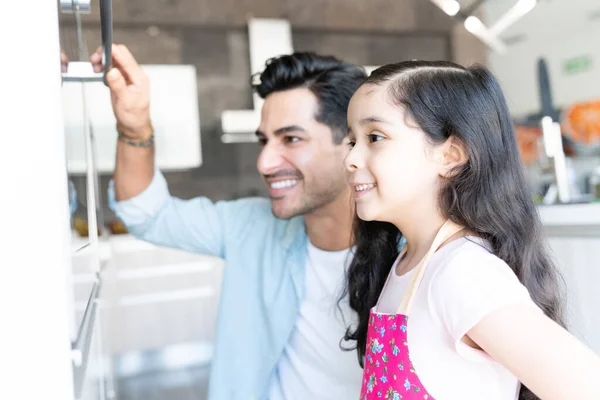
85,198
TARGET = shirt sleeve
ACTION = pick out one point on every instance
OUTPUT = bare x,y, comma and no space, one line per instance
155,216
470,287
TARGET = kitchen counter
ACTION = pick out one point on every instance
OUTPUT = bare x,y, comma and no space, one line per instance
571,214
582,220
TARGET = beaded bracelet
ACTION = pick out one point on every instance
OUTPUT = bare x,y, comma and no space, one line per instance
135,143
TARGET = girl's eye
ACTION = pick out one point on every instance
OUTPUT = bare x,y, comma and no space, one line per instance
373,137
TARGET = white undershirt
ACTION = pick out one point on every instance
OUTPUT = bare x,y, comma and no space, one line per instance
313,367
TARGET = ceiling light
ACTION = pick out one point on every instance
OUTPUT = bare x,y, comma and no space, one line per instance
450,7
477,28
514,14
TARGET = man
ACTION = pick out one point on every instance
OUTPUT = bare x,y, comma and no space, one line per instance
279,327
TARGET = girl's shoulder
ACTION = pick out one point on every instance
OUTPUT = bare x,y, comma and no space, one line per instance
469,268
468,282
466,251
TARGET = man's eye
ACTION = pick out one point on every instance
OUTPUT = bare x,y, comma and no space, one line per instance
292,139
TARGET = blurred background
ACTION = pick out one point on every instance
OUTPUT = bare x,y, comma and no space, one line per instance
142,317
212,36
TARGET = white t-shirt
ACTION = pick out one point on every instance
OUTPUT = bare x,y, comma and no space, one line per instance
313,366
463,283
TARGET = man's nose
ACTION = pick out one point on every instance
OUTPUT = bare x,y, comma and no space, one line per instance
269,159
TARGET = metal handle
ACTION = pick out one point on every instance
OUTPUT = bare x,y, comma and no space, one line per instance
81,346
83,71
82,6
106,23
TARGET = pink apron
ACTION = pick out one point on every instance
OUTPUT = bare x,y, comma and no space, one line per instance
389,373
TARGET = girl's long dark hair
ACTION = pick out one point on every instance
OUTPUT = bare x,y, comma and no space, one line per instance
488,195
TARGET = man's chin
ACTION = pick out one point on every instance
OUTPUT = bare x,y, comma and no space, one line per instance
283,213
282,210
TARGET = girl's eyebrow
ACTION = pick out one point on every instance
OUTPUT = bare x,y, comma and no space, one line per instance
370,120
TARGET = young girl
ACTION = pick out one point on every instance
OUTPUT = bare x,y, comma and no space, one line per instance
470,307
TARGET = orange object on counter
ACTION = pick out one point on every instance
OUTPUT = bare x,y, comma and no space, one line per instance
581,121
527,137
116,227
80,225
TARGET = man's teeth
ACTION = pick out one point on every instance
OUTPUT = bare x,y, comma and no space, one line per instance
284,184
360,188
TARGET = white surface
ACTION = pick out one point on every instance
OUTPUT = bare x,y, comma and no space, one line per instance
173,110
94,387
579,262
583,215
35,349
268,38
550,19
573,233
558,31
514,14
153,296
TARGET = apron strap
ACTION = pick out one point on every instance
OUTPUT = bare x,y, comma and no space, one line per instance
447,230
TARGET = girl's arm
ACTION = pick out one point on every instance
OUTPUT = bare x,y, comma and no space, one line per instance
546,358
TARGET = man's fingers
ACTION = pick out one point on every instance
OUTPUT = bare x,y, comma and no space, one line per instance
127,64
116,81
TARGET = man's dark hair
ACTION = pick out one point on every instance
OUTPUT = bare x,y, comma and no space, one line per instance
332,81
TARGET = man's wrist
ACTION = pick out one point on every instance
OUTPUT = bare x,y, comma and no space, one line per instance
137,139
142,134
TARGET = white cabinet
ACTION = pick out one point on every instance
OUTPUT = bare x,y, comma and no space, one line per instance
98,383
161,297
579,262
174,113
574,237
153,298
34,254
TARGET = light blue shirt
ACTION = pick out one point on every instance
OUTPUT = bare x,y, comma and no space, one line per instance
263,281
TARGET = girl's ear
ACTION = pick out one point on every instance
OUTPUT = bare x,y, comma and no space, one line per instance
451,156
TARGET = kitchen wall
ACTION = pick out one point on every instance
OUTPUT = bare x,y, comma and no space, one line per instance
212,35
566,34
